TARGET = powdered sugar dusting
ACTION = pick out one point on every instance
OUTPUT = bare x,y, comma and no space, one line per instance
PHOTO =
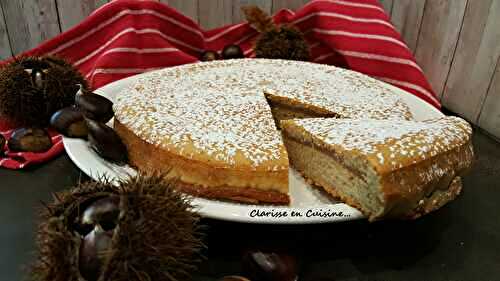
391,142
219,108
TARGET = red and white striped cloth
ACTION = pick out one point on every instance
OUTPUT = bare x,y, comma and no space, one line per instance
126,37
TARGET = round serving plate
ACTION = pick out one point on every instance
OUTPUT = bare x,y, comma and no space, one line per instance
308,205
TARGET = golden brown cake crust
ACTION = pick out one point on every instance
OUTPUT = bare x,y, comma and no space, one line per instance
418,164
429,192
206,180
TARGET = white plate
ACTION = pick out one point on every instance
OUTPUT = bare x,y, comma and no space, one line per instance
313,206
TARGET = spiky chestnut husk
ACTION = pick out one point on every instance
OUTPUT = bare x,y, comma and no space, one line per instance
276,41
30,100
157,236
285,42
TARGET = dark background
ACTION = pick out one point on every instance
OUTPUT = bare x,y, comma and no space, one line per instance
460,242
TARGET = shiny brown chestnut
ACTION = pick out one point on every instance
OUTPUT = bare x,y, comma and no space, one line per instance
234,278
29,139
92,248
106,142
232,52
70,122
103,212
94,106
37,76
270,266
209,55
97,225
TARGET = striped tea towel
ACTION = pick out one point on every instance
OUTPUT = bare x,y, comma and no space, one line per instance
126,37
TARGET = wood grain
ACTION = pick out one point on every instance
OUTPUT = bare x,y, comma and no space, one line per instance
30,22
476,56
215,13
73,12
407,18
186,7
5,51
265,5
490,114
438,37
387,4
287,4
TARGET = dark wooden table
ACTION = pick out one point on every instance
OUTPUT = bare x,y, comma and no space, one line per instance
458,243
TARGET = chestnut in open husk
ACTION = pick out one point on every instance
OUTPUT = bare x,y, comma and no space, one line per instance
29,139
269,266
136,229
232,52
106,142
70,122
94,106
97,225
209,55
33,88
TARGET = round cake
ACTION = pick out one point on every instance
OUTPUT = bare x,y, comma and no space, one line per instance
213,126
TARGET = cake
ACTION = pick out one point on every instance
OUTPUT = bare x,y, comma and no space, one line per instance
385,168
211,124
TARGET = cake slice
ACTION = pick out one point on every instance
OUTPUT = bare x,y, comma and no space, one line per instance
385,168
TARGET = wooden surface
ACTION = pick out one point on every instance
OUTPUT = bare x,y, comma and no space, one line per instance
438,37
456,42
489,118
388,5
30,22
187,7
215,13
406,15
475,59
72,12
5,50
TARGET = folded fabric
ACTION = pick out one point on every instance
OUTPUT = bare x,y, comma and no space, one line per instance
127,37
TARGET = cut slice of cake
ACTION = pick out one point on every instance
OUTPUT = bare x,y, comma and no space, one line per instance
386,168
210,126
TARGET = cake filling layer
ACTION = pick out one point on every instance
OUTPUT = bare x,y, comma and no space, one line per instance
328,172
385,168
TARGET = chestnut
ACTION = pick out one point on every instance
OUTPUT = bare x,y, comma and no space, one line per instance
232,52
92,253
106,142
37,76
103,211
97,225
70,122
29,139
209,55
94,106
233,278
269,266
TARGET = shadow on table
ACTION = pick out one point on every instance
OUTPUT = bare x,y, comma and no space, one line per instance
329,251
